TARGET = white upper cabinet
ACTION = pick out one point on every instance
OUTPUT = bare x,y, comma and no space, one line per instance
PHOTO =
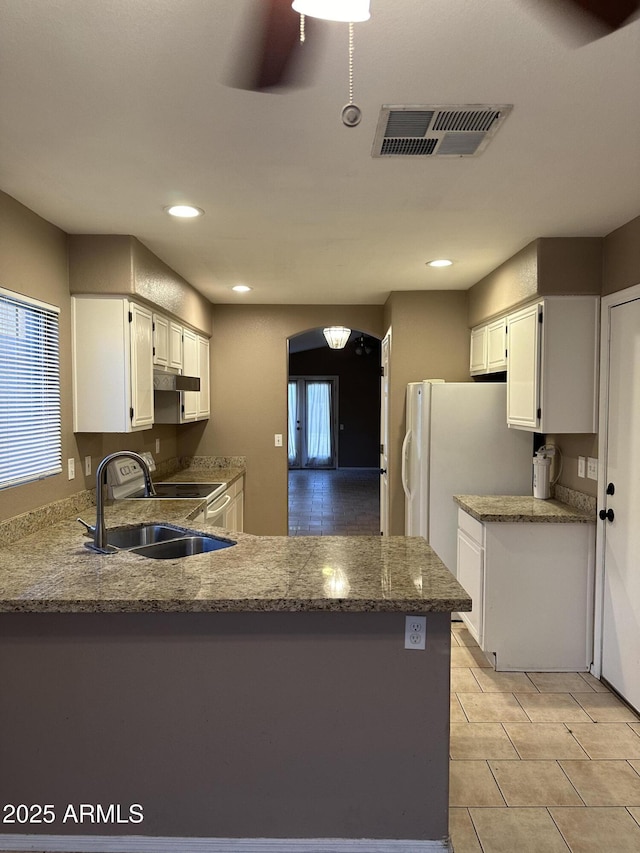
160,340
195,355
203,373
497,346
167,342
488,348
175,345
478,359
189,410
552,367
112,352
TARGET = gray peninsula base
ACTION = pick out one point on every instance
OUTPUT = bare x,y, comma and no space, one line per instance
227,725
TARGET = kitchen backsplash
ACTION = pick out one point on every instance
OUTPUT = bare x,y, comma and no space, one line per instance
576,499
12,529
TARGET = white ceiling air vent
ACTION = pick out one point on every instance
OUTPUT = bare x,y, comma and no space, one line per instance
462,130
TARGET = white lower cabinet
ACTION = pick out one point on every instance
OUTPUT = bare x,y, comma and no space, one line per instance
532,590
234,519
228,510
471,572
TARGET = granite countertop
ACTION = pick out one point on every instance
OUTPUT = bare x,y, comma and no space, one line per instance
52,571
203,475
522,508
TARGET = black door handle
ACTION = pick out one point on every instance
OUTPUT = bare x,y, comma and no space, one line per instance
611,489
383,470
606,514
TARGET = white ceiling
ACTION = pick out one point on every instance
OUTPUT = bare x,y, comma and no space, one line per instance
112,109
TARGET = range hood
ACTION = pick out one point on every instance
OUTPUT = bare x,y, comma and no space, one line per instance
174,382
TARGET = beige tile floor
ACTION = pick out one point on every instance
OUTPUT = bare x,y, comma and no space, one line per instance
540,762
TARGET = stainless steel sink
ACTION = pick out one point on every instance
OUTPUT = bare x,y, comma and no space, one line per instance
160,541
141,534
184,547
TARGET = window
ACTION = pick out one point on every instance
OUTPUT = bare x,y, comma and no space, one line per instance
30,432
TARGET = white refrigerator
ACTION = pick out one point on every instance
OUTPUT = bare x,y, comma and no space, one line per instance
457,443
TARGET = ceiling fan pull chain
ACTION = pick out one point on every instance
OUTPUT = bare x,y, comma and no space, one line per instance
302,33
351,114
351,63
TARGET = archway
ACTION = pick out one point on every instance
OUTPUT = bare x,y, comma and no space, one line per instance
334,435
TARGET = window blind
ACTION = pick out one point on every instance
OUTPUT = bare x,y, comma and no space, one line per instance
30,423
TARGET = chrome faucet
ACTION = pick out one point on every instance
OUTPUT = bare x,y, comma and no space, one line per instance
99,530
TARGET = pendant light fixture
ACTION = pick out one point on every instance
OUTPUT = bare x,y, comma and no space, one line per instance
347,11
337,336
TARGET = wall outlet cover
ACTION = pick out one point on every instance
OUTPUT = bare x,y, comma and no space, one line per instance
582,466
592,468
415,632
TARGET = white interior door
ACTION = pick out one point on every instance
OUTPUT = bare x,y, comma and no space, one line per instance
621,500
385,355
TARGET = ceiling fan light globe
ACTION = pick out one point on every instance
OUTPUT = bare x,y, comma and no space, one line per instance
347,11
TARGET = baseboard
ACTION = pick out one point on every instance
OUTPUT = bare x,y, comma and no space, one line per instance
145,844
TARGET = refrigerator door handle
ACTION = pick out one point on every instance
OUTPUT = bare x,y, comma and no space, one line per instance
405,454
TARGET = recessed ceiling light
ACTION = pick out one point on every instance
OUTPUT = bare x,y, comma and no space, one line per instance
439,262
241,288
184,211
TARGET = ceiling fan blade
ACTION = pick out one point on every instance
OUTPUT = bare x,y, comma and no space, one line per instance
272,55
611,13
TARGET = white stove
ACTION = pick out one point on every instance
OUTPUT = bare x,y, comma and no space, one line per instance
126,481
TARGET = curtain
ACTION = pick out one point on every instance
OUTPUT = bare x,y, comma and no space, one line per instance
293,415
318,423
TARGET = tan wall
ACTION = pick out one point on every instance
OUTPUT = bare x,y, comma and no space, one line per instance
572,446
621,267
569,265
547,266
121,264
430,340
513,282
34,262
249,371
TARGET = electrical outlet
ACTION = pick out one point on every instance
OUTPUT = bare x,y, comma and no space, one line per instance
71,468
415,631
582,466
278,439
592,468
87,466
157,445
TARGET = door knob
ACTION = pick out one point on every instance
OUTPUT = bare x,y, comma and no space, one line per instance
383,470
606,514
611,489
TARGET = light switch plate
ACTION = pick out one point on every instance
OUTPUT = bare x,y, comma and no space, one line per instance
582,466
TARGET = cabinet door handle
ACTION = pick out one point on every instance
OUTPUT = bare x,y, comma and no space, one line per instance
606,515
611,489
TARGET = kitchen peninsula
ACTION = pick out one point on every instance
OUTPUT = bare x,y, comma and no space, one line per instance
257,693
